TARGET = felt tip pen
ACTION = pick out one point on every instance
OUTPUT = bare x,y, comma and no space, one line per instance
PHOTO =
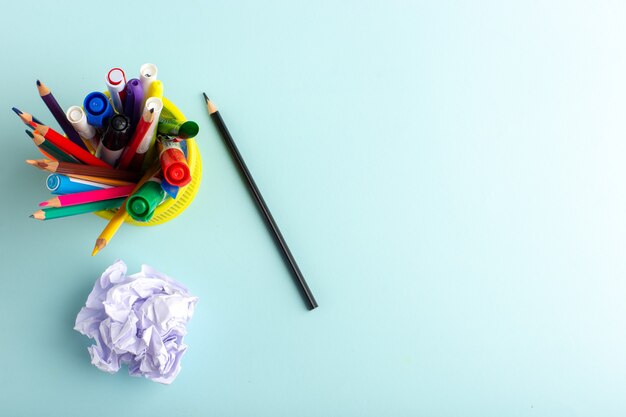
116,83
142,203
134,100
155,89
62,184
147,75
140,131
156,105
114,140
183,130
173,163
97,109
77,117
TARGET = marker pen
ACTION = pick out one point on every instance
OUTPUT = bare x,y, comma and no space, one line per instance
62,184
97,109
147,74
134,99
114,139
116,82
155,89
155,104
170,190
143,202
173,163
183,130
78,119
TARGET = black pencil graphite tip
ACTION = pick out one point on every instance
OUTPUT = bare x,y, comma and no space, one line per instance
38,83
16,110
205,97
29,133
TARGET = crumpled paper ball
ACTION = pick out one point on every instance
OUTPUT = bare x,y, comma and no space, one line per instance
138,320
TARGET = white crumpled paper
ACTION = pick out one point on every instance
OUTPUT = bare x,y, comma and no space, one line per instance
138,320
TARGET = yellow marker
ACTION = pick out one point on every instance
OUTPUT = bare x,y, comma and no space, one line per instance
155,89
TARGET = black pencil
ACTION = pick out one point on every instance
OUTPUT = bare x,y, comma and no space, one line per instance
221,126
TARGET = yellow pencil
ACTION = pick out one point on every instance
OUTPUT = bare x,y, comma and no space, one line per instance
121,214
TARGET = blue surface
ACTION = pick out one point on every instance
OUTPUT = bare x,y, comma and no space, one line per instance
449,176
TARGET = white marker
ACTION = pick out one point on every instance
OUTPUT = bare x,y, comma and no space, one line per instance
156,104
147,74
78,119
116,82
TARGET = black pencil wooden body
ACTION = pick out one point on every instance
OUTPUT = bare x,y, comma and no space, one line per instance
304,288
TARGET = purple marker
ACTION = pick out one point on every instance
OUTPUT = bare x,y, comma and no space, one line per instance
132,104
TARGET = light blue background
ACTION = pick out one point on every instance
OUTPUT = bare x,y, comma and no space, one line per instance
449,175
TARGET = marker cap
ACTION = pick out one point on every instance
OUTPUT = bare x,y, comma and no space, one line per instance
147,75
97,108
62,184
76,116
116,81
143,202
173,163
183,130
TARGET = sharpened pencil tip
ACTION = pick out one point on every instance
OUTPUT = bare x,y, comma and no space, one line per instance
29,133
206,98
43,204
95,251
16,110
38,83
31,216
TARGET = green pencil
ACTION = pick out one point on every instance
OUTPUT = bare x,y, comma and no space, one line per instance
50,148
56,212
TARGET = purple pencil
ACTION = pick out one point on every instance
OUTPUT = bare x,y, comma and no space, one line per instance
59,115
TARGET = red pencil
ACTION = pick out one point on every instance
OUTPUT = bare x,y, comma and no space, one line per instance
68,146
140,132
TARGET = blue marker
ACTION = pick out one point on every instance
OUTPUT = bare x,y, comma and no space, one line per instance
62,184
171,190
98,109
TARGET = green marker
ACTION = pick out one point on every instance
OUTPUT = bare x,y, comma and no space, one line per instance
142,203
183,130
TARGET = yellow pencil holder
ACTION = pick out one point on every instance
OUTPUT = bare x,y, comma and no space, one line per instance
170,208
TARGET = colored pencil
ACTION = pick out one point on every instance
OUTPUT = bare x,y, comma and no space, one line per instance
88,196
140,131
27,116
69,146
118,218
70,168
100,180
59,115
50,148
43,146
230,143
55,213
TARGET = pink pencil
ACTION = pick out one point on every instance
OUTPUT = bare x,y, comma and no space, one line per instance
88,196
